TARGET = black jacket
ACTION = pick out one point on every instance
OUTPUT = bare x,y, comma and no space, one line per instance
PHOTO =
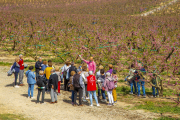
43,79
53,80
37,66
72,68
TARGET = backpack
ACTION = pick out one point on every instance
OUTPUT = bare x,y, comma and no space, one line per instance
65,72
40,82
111,84
76,83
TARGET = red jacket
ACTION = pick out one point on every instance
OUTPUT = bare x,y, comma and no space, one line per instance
20,64
91,83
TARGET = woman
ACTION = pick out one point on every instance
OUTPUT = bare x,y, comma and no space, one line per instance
16,67
108,85
44,65
91,87
71,85
31,81
84,75
65,70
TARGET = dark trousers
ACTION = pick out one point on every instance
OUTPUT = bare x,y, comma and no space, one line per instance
80,90
86,90
66,88
16,77
99,92
46,86
39,93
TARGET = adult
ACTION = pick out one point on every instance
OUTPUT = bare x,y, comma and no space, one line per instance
31,81
72,68
21,71
84,75
101,80
91,87
38,66
44,65
66,74
53,85
47,73
98,74
16,68
110,68
78,87
91,64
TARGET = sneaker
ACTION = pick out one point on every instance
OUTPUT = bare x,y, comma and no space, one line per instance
16,86
98,105
28,97
37,102
131,93
138,95
91,105
84,100
144,96
109,104
112,104
72,103
32,97
115,101
87,98
104,100
58,94
157,96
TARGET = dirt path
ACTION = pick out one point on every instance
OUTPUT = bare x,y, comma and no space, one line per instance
14,100
158,8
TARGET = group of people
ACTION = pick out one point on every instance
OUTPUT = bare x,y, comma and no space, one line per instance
81,79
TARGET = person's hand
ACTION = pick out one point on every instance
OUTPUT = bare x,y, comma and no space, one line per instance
22,64
52,87
39,67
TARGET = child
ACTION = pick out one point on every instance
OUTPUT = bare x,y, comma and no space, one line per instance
109,86
154,82
101,80
59,79
71,86
31,81
41,82
53,85
114,76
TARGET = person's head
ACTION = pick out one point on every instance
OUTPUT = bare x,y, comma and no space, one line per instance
57,69
49,61
101,67
84,68
79,71
132,65
102,71
17,59
40,59
90,72
68,62
50,64
72,63
114,72
73,73
91,59
41,72
108,74
52,70
21,56
110,66
45,62
31,68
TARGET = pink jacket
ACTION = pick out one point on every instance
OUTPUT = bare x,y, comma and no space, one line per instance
91,66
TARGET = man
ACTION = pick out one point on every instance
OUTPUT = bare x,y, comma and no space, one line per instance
21,72
110,69
91,64
53,85
38,66
72,68
78,87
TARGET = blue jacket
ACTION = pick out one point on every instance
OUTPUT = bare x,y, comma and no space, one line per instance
30,77
43,67
16,67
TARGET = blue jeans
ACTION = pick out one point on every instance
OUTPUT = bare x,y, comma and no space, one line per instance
72,96
139,84
16,77
135,87
103,94
90,96
30,89
154,90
